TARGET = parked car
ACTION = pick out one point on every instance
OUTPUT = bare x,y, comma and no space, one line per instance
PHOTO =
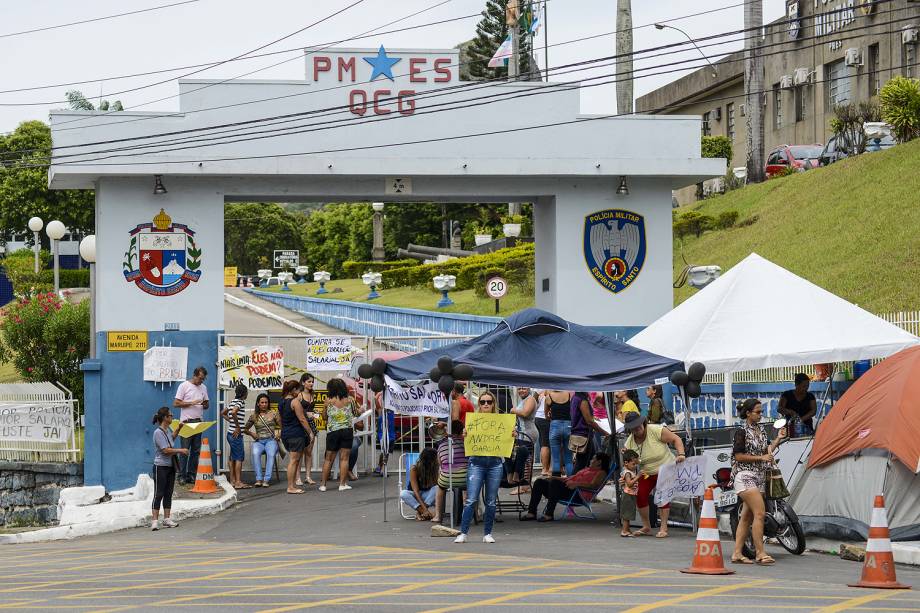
404,424
798,157
837,148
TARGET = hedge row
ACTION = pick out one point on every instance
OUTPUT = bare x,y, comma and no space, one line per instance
355,269
19,267
516,264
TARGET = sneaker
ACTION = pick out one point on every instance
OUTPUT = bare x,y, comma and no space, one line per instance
322,488
461,538
488,539
342,488
154,526
170,523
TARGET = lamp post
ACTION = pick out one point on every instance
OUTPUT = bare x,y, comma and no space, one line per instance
377,252
36,224
372,280
302,272
662,26
321,276
444,283
285,278
88,253
56,231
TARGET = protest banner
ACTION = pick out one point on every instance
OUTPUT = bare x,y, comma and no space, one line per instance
166,364
41,423
259,367
230,275
416,400
329,353
489,434
683,480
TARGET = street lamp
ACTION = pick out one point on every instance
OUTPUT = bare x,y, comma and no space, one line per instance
88,253
699,277
445,283
302,272
56,231
285,278
662,26
372,280
321,276
36,224
264,274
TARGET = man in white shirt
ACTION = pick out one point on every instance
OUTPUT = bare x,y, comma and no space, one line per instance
192,398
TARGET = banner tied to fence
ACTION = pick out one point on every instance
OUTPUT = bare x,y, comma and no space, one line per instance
41,423
329,353
683,480
489,434
165,364
259,367
426,400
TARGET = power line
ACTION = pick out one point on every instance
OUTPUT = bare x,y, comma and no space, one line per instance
95,19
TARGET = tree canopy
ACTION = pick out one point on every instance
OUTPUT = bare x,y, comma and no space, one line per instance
490,33
253,230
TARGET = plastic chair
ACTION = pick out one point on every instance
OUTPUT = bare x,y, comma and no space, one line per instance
406,462
583,498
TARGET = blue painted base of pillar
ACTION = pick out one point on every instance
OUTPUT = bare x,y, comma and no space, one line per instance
286,288
445,300
119,406
373,295
322,288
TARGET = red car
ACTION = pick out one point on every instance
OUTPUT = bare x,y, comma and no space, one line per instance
797,157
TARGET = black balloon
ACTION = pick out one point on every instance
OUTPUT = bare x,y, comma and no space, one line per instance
377,383
445,365
365,371
446,384
693,389
435,374
463,372
679,378
379,365
696,372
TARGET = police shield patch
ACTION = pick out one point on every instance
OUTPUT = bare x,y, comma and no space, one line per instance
615,247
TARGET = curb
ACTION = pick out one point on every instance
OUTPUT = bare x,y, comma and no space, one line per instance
904,553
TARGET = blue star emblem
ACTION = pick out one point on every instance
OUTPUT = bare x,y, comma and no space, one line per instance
382,64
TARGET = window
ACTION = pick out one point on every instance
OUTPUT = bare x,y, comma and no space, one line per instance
872,68
730,112
777,107
799,95
908,59
837,75
706,131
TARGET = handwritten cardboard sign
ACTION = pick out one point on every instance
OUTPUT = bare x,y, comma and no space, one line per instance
416,400
42,423
329,353
488,434
684,480
166,364
259,367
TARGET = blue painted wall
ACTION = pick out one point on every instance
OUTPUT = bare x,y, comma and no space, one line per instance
119,406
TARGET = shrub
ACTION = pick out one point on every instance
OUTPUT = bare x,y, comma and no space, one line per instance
784,172
46,339
900,103
726,219
20,269
717,147
469,271
692,222
355,269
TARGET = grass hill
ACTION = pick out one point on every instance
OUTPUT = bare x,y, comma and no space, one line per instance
852,228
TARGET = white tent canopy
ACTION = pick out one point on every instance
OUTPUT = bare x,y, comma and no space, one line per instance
760,315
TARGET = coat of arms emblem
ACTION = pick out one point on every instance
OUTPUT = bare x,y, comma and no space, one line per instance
614,247
162,258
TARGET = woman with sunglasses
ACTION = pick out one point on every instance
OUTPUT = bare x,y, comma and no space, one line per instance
484,473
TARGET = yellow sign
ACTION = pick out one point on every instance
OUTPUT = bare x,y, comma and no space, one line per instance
189,430
488,434
230,276
127,341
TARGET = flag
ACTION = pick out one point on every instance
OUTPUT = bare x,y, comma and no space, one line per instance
502,54
535,23
511,12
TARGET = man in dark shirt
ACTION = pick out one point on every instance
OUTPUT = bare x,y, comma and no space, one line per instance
800,403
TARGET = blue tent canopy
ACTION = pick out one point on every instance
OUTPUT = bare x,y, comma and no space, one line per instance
535,348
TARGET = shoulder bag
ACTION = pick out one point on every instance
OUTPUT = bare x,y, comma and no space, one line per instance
282,450
578,443
775,484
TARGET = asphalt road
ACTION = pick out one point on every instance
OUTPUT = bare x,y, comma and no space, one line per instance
334,552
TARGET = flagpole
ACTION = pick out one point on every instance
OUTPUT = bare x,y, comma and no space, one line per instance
545,42
512,21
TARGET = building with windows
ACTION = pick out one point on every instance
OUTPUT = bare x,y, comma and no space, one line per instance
822,54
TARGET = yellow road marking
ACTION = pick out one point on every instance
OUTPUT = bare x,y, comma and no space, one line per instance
695,595
547,590
852,603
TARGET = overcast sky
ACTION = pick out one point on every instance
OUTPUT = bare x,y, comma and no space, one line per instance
213,30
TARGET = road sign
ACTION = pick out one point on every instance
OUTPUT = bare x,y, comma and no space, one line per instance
230,275
126,341
398,185
496,287
287,258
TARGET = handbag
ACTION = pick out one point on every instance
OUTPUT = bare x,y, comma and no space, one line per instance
776,485
578,443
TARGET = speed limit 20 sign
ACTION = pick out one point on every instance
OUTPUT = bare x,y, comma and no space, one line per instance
496,287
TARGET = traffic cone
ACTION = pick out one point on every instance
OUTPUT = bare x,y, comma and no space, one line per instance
878,569
707,560
204,476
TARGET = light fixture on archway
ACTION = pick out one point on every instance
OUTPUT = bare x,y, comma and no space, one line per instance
158,187
623,189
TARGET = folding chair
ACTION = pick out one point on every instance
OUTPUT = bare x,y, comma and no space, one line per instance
406,461
583,498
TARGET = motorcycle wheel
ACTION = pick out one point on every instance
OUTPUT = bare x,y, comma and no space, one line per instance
793,537
748,548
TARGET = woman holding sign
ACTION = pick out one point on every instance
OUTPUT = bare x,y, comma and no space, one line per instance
651,442
484,473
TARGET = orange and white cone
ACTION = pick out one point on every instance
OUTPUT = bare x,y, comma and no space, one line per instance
707,560
878,569
204,476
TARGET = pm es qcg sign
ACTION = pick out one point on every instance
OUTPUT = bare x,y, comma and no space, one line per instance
614,246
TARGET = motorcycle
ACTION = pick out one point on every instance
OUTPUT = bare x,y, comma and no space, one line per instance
780,521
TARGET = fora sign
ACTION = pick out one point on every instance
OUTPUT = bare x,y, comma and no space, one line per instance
382,81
